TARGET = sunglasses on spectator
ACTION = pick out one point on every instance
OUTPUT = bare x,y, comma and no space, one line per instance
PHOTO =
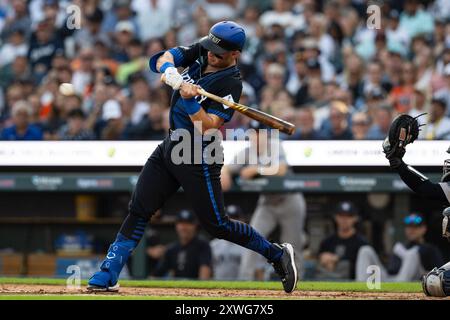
413,220
360,123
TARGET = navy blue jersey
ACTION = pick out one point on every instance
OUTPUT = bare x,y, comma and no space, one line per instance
225,83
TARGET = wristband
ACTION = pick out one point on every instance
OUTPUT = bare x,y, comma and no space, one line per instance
165,66
191,105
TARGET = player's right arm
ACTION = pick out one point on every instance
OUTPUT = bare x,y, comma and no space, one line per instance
403,131
420,184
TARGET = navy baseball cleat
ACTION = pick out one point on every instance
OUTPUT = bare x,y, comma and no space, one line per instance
286,268
101,281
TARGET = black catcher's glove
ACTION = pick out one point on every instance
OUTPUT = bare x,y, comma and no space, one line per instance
403,131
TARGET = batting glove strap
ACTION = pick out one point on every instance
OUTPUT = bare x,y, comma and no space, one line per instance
191,106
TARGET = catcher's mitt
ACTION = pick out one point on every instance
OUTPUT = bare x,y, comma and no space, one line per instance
403,131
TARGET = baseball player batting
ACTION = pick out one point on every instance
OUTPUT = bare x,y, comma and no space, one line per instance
404,130
211,65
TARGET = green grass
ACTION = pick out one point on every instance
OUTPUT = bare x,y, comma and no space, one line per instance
115,297
308,286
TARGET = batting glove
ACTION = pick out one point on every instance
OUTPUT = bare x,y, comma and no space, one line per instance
173,78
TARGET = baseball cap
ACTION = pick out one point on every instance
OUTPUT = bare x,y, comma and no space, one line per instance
440,101
346,208
186,216
125,26
413,219
111,110
233,211
394,14
224,36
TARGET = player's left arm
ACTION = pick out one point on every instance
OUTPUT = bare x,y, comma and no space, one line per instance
215,114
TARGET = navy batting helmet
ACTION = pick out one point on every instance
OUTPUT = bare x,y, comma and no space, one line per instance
224,36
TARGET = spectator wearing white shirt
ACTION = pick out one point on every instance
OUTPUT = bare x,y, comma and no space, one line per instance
396,33
154,17
16,46
140,93
325,42
222,9
415,20
438,126
282,15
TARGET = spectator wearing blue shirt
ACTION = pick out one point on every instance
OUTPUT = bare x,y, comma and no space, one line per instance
382,121
304,121
21,128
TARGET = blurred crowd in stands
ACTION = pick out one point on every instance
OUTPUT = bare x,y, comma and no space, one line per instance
314,63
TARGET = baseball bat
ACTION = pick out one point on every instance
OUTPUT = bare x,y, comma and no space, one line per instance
255,114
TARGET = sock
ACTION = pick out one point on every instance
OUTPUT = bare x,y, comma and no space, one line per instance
133,227
256,242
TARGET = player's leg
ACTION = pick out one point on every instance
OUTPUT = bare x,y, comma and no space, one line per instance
155,184
264,222
202,186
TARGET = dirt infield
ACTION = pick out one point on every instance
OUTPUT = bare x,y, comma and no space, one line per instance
23,289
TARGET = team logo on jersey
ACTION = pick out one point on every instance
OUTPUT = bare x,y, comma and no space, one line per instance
228,98
186,77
